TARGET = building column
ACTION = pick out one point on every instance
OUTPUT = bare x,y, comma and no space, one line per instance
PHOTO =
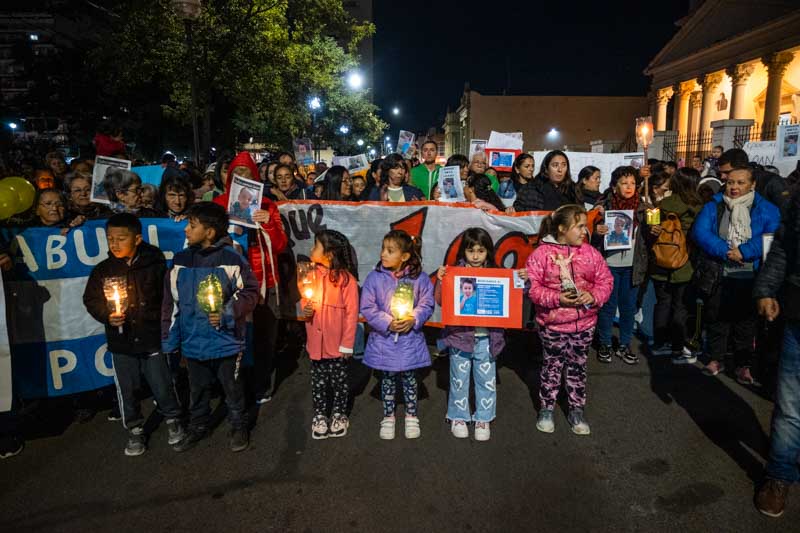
696,105
739,74
710,83
681,122
776,64
662,99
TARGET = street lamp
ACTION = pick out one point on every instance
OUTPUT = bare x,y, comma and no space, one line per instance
360,142
344,129
355,80
315,104
12,125
189,11
396,111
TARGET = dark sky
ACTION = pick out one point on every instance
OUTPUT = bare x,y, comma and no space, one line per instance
425,51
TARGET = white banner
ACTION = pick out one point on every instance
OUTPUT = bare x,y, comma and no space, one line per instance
439,226
605,162
766,153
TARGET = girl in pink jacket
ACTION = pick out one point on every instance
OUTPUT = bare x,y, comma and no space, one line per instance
330,308
570,282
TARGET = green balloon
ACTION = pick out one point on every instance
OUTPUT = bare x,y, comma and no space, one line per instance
9,202
23,189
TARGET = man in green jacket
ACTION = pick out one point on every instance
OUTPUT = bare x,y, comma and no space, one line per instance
425,175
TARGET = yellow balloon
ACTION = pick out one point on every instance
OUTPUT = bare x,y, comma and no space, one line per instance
9,202
23,188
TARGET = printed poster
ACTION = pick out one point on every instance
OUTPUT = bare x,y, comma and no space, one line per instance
476,146
355,164
450,187
787,141
485,297
620,230
101,165
244,200
405,144
303,152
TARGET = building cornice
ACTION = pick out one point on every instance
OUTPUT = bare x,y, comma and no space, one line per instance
780,34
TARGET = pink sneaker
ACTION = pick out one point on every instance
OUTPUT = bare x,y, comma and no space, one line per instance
744,376
713,368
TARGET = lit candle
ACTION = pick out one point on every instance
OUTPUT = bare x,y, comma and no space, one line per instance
653,217
117,303
308,292
211,300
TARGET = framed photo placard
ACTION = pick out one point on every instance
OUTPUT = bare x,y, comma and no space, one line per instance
484,297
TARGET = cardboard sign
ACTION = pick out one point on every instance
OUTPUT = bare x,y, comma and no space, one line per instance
484,297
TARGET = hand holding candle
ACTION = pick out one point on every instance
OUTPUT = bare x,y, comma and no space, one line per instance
210,298
116,292
402,308
306,278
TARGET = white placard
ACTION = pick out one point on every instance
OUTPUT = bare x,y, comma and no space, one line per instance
450,187
101,165
244,199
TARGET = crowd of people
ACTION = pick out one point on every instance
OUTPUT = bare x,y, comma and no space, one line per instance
715,241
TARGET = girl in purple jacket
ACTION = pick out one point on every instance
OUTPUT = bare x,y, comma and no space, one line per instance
396,301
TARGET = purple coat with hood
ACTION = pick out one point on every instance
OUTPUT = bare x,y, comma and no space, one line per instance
410,351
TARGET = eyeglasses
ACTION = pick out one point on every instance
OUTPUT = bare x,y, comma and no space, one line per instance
86,190
53,204
131,190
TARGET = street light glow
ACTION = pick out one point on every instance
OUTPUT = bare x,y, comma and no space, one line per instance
387,138
344,129
12,125
315,103
355,80
372,152
396,111
360,142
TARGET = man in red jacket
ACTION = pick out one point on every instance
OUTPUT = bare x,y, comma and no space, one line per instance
264,246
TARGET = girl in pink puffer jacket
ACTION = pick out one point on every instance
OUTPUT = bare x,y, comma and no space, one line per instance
570,282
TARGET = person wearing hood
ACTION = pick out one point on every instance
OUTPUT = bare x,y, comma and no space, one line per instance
570,282
264,246
729,233
551,188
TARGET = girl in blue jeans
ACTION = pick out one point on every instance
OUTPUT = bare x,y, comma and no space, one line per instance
628,267
472,350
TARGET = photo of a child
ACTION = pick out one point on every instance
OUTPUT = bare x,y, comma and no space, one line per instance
244,200
242,207
469,297
621,224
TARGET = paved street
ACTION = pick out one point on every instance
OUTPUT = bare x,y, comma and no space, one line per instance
670,450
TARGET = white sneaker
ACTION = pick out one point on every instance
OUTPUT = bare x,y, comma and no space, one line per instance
482,431
387,428
459,429
412,427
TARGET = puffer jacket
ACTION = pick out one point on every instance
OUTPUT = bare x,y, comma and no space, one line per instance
264,245
409,351
141,333
590,274
331,330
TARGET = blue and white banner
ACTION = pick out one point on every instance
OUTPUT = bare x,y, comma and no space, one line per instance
57,348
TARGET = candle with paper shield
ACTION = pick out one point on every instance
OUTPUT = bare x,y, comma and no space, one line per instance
402,304
116,293
306,276
209,294
653,217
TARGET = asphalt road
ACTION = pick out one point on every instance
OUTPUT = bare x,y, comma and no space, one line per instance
670,450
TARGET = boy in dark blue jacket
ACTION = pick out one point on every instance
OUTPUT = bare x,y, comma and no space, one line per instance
210,334
134,335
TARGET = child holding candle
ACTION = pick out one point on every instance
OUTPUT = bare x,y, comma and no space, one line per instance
330,308
570,282
133,331
210,332
396,301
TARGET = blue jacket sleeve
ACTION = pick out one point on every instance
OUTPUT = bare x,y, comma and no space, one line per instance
244,295
704,233
425,301
378,319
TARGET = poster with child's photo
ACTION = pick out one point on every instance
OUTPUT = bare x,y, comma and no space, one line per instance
788,135
620,230
450,186
405,144
244,200
101,166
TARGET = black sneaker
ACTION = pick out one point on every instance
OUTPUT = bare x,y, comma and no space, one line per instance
114,414
627,356
193,436
11,446
240,440
137,442
604,354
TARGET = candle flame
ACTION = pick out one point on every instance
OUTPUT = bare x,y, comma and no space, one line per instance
308,292
116,299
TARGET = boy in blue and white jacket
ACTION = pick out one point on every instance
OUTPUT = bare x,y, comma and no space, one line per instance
212,342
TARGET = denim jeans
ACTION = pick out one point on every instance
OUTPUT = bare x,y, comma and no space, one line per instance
785,439
484,370
623,296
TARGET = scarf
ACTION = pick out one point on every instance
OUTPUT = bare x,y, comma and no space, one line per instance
739,231
626,204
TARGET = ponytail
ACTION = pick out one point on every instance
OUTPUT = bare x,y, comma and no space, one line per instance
567,215
482,186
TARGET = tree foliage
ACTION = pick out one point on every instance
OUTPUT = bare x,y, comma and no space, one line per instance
256,63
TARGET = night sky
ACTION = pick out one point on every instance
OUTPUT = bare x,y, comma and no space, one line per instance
425,51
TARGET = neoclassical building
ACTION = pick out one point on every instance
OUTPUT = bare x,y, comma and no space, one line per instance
730,60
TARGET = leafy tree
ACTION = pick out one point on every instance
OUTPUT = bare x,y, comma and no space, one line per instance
255,64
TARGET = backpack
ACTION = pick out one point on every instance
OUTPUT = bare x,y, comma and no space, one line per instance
670,247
